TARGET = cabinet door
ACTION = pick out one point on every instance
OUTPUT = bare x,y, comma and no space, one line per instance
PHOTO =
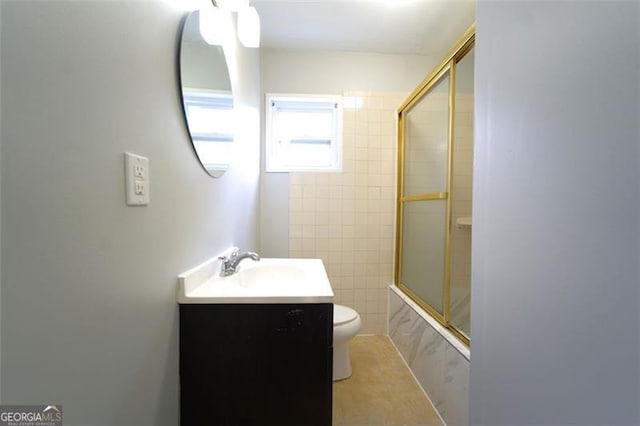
256,364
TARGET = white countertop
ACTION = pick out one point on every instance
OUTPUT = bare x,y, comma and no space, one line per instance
266,281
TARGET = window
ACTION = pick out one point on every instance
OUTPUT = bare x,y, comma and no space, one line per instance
303,133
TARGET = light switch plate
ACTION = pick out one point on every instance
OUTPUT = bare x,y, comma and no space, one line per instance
136,174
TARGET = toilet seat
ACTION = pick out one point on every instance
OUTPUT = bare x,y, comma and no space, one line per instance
343,314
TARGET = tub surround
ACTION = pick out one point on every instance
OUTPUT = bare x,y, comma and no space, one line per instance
439,362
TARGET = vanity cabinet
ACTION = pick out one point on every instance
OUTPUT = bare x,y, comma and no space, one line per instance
256,364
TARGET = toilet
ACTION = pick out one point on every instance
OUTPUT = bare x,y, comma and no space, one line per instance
346,324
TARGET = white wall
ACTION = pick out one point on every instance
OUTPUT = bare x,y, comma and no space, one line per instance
89,317
285,71
556,231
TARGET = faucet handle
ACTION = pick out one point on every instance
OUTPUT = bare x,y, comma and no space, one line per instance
233,254
225,263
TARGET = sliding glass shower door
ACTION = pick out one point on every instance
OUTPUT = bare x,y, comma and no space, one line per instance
435,153
425,188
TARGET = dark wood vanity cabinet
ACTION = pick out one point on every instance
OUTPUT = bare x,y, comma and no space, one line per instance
256,364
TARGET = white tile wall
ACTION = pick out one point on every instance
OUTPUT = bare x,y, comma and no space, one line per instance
347,218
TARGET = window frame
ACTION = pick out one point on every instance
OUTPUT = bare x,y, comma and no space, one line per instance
273,161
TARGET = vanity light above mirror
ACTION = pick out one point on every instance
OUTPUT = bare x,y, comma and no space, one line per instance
212,21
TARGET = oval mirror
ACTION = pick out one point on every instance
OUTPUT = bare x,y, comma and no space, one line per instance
206,98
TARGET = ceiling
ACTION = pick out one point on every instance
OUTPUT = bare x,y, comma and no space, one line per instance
420,27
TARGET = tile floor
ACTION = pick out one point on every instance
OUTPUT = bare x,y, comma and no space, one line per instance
381,390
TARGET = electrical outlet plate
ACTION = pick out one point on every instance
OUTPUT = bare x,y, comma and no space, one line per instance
136,173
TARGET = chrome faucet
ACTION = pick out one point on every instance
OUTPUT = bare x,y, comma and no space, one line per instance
230,264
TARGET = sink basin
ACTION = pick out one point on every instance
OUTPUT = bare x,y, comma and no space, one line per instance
266,281
270,274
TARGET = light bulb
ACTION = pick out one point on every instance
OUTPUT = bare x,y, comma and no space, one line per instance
249,27
211,28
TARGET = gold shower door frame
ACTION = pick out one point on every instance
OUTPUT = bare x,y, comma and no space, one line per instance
447,67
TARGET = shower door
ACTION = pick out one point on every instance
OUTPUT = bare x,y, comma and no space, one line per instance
425,189
435,163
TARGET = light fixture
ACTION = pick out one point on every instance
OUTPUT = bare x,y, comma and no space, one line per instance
211,24
249,27
214,27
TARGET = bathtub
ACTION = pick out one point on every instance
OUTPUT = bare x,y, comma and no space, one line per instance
437,359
